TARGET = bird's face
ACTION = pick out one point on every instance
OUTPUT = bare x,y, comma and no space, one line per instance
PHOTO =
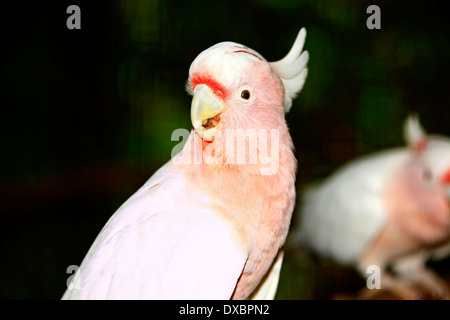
431,158
438,154
233,87
427,179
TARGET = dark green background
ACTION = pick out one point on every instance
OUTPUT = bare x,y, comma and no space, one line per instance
87,115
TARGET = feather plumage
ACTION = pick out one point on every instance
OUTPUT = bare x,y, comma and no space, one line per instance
292,69
192,232
388,208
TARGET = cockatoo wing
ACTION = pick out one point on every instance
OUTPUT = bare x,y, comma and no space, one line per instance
268,287
339,227
163,243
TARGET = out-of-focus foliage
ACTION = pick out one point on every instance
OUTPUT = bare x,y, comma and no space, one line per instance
88,114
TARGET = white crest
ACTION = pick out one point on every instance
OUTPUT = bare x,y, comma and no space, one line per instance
292,69
413,130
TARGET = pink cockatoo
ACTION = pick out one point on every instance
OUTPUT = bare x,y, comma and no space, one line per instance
389,209
211,223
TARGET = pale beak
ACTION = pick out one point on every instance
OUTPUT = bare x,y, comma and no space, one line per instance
205,112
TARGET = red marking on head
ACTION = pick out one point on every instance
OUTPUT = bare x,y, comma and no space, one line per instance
206,144
219,90
446,178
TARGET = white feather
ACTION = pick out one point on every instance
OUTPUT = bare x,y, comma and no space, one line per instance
163,243
292,69
267,289
413,131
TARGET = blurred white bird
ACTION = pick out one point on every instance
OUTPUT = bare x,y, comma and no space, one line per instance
388,209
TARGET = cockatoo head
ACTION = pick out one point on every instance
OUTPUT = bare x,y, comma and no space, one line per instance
234,87
427,174
432,150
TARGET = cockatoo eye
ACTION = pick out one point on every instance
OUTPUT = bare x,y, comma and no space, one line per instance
245,94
